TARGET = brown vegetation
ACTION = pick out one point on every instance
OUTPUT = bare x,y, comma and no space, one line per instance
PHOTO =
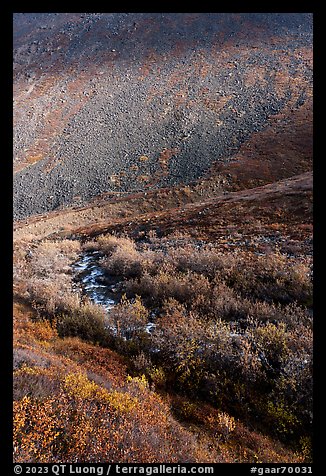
228,362
231,330
206,355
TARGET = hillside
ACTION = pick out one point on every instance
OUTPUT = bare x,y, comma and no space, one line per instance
131,102
163,238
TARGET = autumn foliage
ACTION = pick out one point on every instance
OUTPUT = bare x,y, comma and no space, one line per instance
230,345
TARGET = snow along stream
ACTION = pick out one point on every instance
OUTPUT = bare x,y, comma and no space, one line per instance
92,279
101,288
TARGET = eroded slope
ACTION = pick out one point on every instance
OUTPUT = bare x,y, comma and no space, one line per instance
128,102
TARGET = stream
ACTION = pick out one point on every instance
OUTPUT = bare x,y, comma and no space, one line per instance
99,286
94,283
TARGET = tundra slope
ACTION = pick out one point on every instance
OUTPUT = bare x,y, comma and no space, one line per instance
128,102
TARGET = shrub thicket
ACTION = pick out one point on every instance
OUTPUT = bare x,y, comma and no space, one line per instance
226,326
230,329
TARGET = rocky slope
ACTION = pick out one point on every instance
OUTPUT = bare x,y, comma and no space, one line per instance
132,101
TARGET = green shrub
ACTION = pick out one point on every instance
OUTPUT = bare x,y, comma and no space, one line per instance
273,278
283,421
272,343
86,322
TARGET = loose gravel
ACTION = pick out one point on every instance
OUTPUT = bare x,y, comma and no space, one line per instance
198,85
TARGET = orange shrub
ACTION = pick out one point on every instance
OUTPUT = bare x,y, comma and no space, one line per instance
85,423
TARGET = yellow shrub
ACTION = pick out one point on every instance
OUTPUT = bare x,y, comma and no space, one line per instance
24,369
158,376
140,382
79,386
119,401
225,424
306,449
